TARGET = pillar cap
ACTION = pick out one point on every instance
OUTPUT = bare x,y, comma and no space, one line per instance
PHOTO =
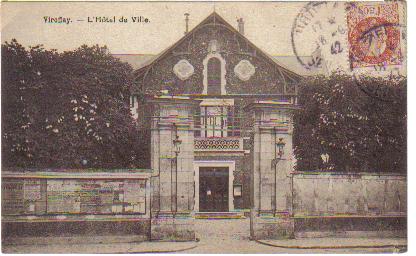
168,99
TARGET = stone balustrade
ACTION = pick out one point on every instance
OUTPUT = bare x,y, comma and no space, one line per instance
218,144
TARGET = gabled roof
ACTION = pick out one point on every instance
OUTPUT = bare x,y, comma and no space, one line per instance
137,61
214,18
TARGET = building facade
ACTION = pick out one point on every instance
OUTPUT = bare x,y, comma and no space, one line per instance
227,104
218,114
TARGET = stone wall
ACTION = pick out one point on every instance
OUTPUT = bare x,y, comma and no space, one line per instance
125,230
354,194
78,203
339,204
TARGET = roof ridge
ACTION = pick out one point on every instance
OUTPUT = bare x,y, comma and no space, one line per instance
227,25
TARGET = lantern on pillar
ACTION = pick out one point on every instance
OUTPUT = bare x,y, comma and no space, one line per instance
177,145
279,146
177,149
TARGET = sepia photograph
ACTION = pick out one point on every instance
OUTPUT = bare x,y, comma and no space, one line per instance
204,127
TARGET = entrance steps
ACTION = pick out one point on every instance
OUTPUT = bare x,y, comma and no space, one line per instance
219,215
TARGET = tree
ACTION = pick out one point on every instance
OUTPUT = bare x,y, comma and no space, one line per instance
76,105
16,76
359,122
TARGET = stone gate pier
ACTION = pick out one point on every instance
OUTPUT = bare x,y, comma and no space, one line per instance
271,172
172,182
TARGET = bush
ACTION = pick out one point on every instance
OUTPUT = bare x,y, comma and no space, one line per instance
359,122
60,109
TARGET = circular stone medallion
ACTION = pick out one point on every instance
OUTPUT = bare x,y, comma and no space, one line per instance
183,69
244,70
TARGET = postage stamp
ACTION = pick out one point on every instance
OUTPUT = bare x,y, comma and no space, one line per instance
373,34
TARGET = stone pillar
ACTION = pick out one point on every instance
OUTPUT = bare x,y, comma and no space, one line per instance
172,197
271,212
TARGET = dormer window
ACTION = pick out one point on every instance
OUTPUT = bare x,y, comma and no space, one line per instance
214,74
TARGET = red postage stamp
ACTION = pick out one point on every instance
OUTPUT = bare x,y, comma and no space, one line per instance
374,34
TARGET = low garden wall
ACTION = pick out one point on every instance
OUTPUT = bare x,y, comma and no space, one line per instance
75,203
341,204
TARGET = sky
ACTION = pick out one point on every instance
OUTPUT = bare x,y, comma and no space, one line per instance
267,24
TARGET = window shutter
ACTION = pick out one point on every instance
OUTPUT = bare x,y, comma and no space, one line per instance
237,121
197,123
230,120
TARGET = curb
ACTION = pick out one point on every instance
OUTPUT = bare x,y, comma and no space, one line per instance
333,246
157,251
135,251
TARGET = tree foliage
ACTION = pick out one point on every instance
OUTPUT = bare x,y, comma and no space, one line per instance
60,109
359,122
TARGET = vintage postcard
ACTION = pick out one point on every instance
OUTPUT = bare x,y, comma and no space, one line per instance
204,127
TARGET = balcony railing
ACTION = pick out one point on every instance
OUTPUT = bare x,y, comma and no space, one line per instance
219,144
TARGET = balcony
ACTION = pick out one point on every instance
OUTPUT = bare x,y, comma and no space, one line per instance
219,144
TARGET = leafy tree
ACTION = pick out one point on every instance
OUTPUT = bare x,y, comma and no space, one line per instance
73,110
16,77
359,122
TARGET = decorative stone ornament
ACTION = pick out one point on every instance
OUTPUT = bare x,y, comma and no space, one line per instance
183,69
213,46
244,70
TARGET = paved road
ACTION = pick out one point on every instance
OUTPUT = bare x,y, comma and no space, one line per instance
232,236
216,236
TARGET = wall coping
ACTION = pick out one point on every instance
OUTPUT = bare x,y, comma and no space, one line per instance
358,174
77,173
79,217
171,99
271,105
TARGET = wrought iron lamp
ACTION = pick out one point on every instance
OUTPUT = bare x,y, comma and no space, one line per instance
177,149
279,146
177,145
279,153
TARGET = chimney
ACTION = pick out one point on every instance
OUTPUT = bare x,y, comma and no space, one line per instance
186,22
240,26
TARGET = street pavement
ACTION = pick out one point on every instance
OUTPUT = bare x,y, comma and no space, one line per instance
218,236
232,236
138,247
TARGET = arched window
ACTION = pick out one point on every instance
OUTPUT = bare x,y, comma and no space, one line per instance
214,76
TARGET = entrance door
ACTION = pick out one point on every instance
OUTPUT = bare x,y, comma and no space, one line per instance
213,189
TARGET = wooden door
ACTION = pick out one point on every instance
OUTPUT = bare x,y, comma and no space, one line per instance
213,189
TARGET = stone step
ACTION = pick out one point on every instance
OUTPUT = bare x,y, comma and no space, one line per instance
219,215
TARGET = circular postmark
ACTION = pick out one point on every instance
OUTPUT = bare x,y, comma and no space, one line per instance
319,36
378,90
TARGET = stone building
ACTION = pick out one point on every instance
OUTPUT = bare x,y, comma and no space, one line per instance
228,103
218,114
